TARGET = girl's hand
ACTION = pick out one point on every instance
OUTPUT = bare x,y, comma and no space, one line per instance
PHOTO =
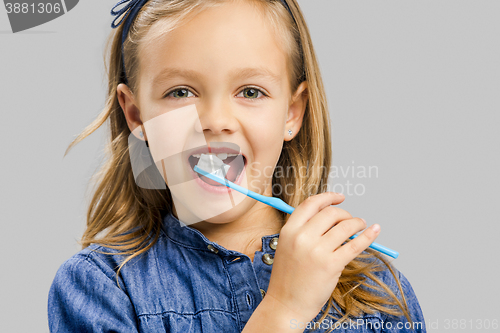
310,256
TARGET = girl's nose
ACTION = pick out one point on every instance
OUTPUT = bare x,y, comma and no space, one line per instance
217,118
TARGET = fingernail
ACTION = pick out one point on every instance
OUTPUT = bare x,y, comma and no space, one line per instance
375,228
363,220
341,194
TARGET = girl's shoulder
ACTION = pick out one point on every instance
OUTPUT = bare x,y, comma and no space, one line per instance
101,260
94,257
387,273
86,287
399,284
83,273
380,321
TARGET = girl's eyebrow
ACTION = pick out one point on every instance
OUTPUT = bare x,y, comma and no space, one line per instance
247,72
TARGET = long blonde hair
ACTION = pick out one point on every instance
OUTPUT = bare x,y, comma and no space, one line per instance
126,217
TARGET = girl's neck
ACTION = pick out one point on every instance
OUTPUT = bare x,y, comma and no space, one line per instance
244,234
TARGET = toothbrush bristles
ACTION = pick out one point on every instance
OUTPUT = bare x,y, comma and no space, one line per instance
212,164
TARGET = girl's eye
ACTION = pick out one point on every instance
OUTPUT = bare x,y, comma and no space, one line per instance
248,93
252,93
180,93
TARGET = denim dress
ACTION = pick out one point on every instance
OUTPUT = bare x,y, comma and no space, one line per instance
186,283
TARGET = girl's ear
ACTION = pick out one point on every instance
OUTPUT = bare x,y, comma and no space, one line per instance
132,114
296,111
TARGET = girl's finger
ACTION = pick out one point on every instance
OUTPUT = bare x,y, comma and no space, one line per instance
347,252
328,217
311,206
334,237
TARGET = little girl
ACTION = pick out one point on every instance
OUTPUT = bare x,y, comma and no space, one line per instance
180,253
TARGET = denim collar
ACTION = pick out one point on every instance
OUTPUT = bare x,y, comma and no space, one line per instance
190,237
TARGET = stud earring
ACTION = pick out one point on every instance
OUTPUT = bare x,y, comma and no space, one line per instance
140,134
289,132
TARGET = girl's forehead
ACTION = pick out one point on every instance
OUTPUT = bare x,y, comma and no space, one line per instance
226,38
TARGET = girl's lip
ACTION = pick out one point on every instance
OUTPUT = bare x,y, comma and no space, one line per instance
216,189
214,150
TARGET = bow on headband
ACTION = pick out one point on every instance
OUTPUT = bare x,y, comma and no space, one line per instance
131,7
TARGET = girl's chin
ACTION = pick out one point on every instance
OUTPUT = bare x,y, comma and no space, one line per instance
212,212
229,216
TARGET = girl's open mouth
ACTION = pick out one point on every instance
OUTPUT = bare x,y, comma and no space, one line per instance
236,164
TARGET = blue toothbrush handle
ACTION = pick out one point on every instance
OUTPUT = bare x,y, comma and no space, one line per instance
381,248
281,205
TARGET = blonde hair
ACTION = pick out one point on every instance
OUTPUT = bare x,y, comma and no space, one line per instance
128,218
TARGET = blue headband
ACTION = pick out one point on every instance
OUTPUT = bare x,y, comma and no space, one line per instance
129,11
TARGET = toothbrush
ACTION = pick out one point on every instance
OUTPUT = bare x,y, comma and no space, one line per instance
207,163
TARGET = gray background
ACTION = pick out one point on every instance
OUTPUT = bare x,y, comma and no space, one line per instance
413,88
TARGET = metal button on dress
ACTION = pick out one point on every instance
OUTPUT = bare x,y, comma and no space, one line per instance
263,293
268,259
211,248
273,243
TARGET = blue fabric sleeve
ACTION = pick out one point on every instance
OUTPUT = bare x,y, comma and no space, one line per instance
413,304
400,324
84,298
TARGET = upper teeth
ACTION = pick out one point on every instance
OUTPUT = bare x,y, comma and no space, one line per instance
221,156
